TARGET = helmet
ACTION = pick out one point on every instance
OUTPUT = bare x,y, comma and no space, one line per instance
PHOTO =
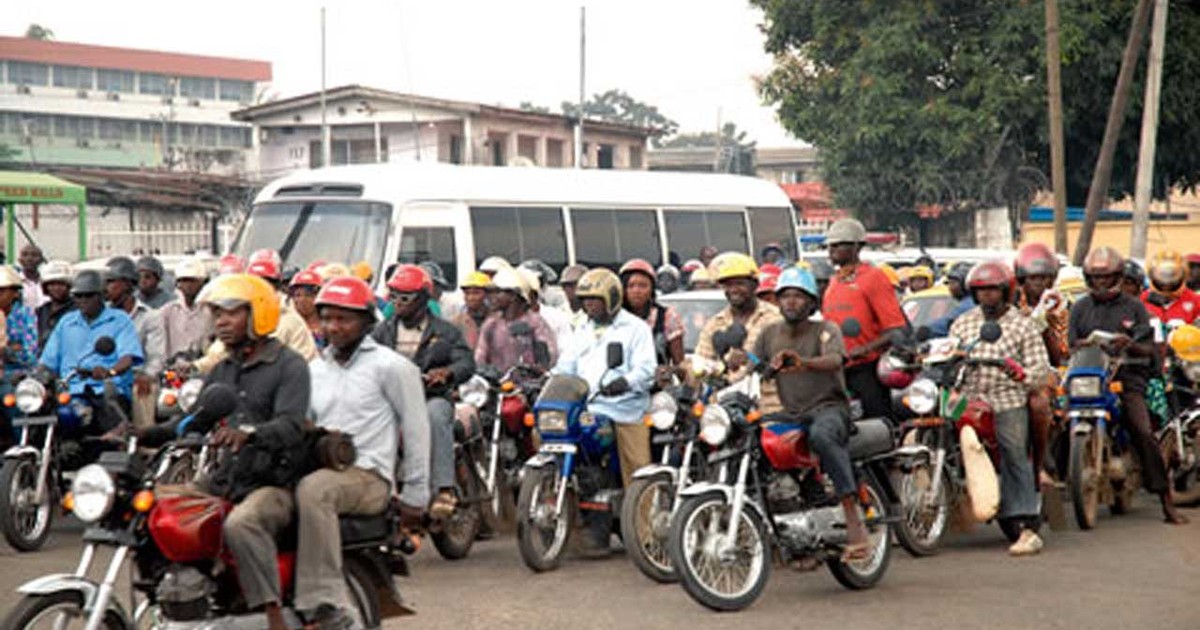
767,284
572,274
771,246
691,265
603,284
243,289
734,265
121,268
347,292
333,270
265,269
410,278
362,270
510,280
1103,261
230,263
493,264
190,269
992,274
87,281
531,279
1185,342
1134,272
1070,280
846,231
667,279
637,265
55,271
920,271
436,276
797,278
1167,273
305,278
545,273
891,372
266,254
1192,259
1035,259
317,264
959,271
891,274
821,269
769,269
698,276
477,280
151,264
9,278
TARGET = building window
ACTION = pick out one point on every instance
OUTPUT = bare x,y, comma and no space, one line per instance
150,131
604,156
194,87
114,129
114,80
235,137
554,153
149,83
30,125
206,135
635,157
73,77
347,152
527,148
74,127
496,148
22,73
456,149
239,91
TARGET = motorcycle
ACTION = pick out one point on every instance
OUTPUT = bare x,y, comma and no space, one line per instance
55,439
575,470
178,390
180,569
1101,466
1179,438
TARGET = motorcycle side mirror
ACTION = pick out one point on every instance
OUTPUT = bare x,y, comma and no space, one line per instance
924,333
105,346
851,328
616,355
520,329
729,339
990,332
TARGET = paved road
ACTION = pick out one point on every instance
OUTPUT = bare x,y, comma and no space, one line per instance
1132,573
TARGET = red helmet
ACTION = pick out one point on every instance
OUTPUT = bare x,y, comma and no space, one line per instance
306,279
769,269
264,268
410,279
231,263
1192,259
992,274
637,265
892,374
767,283
266,254
316,264
691,265
1035,259
347,292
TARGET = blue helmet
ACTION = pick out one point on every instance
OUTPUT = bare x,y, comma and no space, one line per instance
797,278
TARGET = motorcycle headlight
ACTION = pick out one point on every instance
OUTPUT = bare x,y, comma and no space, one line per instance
474,392
552,421
1084,387
714,425
93,491
921,396
189,393
168,401
30,395
663,410
1192,370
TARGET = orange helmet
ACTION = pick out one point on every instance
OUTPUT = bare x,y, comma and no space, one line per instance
1167,273
637,265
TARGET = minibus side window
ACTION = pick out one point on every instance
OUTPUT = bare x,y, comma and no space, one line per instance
609,238
420,244
690,230
518,234
773,225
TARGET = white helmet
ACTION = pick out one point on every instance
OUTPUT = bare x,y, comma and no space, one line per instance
531,279
191,269
56,271
510,280
493,264
9,278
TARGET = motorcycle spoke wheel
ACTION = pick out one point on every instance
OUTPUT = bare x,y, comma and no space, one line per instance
541,534
720,580
645,524
26,523
57,611
865,573
1085,477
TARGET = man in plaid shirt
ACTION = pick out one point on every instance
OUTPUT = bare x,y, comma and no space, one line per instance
1022,352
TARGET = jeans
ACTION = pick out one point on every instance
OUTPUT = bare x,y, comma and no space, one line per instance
828,437
441,443
1018,484
864,383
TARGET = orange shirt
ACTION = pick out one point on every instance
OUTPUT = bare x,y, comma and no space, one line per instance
864,293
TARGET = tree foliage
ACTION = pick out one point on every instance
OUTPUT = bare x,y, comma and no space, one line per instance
37,31
943,102
737,152
619,107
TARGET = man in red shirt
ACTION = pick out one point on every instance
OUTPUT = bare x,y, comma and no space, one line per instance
1193,265
860,291
1168,298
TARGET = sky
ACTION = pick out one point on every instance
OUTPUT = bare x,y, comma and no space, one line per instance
693,59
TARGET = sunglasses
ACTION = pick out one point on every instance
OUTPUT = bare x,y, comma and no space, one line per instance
404,298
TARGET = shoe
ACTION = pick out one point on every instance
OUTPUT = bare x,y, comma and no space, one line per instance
1027,545
328,617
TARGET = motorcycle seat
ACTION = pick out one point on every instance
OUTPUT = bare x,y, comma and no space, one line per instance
357,530
871,437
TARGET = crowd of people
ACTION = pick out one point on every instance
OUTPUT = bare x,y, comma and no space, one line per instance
318,345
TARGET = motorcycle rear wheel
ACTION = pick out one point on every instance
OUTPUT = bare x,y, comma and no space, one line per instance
542,537
1185,479
456,535
44,611
363,597
1085,476
25,526
712,581
645,524
866,573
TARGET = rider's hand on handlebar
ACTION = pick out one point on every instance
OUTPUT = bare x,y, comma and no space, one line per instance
437,376
787,361
1120,342
616,387
735,359
1014,370
99,373
235,439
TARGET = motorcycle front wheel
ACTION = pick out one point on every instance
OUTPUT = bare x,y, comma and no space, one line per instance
457,533
542,530
924,515
719,580
25,523
865,573
59,611
1085,475
645,524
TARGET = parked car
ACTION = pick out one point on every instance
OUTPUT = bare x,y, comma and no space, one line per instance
924,307
695,307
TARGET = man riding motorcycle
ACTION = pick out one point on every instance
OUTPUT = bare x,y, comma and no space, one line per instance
361,388
475,307
1168,298
1006,390
120,283
1134,281
738,275
1107,309
807,356
497,344
956,282
414,332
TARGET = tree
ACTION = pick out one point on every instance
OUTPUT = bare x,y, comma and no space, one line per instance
37,31
943,102
527,106
619,107
737,153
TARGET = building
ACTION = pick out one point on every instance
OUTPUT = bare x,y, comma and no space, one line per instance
370,125
97,106
782,165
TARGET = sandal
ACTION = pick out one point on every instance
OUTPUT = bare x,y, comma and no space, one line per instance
444,505
856,552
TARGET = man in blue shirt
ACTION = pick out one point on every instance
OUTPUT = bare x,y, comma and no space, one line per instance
956,281
72,344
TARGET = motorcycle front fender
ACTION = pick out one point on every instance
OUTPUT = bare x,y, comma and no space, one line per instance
702,488
653,470
67,583
1082,428
22,452
541,460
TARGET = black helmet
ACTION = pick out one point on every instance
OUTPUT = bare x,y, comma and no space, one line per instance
546,274
959,271
435,273
1134,272
121,268
151,264
87,281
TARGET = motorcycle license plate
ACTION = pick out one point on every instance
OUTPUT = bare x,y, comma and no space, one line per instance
559,448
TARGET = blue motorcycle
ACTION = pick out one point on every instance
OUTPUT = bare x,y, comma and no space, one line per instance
1101,467
575,473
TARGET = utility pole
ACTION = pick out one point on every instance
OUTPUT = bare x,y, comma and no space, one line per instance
326,139
1145,173
1058,150
582,67
1098,192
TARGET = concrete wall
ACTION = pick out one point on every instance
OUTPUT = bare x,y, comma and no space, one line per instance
1182,236
111,231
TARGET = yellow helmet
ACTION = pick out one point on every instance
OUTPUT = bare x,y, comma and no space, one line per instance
890,272
700,278
920,271
1185,342
603,284
1167,273
362,270
242,289
733,265
477,280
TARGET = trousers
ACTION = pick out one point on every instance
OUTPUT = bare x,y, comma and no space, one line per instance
441,443
1018,483
828,437
250,532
